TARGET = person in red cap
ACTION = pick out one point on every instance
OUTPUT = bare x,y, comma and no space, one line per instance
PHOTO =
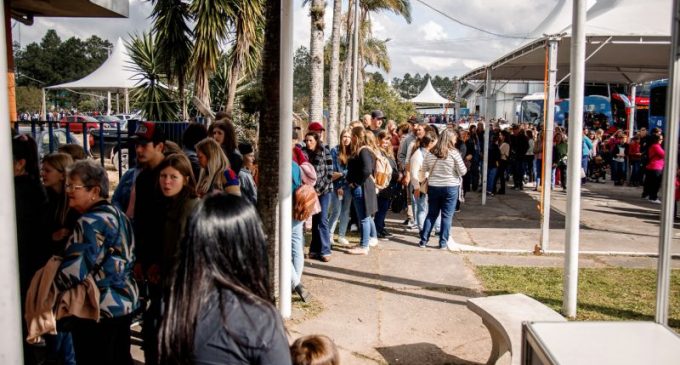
318,128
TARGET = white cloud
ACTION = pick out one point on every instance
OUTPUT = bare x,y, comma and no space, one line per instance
433,31
433,63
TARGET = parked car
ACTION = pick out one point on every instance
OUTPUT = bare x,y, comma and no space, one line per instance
109,120
75,123
42,139
111,149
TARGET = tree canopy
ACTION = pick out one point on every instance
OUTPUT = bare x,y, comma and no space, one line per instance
410,86
379,95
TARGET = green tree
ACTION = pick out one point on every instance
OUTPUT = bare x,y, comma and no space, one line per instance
29,99
379,95
302,69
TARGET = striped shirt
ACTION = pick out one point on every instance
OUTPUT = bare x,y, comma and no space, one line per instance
444,172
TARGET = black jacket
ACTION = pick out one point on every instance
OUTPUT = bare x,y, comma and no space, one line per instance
32,239
359,171
245,333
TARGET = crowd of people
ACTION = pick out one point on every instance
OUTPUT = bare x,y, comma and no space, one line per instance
179,242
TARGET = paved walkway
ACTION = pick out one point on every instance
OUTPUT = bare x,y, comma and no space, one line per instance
406,305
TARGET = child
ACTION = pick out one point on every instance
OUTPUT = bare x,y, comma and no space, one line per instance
314,350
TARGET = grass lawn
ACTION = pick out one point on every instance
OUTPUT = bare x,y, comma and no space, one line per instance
603,294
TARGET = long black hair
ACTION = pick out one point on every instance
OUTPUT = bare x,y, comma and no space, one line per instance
224,248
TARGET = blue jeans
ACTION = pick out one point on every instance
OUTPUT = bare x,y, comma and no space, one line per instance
298,255
441,199
490,178
368,230
420,208
340,212
383,207
635,173
619,172
321,234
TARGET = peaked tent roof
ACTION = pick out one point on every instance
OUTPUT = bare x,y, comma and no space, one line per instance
430,96
114,74
634,37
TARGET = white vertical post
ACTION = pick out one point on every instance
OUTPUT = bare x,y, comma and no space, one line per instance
548,132
108,103
487,127
670,163
576,84
43,106
10,313
631,118
127,102
117,102
285,157
355,64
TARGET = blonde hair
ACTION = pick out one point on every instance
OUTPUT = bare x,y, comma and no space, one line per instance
212,176
61,162
446,142
314,350
344,152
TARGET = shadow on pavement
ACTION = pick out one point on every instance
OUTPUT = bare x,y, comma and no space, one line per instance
419,353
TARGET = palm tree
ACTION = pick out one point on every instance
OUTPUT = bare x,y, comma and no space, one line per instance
157,101
333,125
173,42
317,10
209,32
268,194
246,51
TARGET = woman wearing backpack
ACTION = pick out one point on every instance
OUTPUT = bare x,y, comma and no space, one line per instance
447,169
319,156
385,195
359,169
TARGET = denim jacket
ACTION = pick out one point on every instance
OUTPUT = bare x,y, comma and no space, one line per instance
338,167
121,197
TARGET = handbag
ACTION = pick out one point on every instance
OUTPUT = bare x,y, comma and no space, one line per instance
424,186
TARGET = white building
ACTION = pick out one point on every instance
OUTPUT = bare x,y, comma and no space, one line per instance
505,99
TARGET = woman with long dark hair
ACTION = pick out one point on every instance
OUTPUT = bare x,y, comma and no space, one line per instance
447,169
60,217
319,156
359,169
219,309
224,133
386,195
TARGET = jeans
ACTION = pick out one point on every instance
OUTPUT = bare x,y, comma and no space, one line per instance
619,172
298,255
340,212
321,234
652,184
60,348
421,210
538,170
383,207
441,199
635,173
518,172
490,179
368,230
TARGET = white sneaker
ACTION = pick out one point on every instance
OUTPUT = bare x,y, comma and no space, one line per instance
657,201
353,228
358,251
373,241
342,241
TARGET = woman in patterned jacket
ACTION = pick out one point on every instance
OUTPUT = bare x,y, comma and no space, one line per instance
102,245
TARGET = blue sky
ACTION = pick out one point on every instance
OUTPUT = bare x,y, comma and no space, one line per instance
431,43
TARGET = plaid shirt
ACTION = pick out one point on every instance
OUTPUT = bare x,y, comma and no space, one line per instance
323,164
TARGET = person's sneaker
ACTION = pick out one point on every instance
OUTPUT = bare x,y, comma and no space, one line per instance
302,292
382,236
443,247
373,241
358,251
353,228
408,222
386,233
422,245
342,241
657,201
325,258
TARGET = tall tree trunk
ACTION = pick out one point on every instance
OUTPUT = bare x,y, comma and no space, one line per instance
268,194
343,114
203,88
333,125
233,84
317,10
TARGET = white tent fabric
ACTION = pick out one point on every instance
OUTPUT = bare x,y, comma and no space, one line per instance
635,40
430,96
113,75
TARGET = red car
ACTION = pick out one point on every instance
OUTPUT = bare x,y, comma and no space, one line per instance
75,123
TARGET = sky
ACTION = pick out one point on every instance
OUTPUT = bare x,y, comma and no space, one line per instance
430,43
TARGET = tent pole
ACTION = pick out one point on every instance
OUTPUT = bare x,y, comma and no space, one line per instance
117,102
285,157
10,320
108,103
43,106
487,127
355,64
573,210
670,163
548,133
631,118
127,101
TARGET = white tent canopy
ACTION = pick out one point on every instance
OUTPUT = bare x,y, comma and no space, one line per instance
430,96
113,75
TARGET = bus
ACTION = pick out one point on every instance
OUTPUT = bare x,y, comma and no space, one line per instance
530,109
657,104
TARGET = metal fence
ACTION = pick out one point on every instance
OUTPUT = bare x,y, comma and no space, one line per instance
108,141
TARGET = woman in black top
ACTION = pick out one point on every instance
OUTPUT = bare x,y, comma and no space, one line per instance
225,134
219,309
359,170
